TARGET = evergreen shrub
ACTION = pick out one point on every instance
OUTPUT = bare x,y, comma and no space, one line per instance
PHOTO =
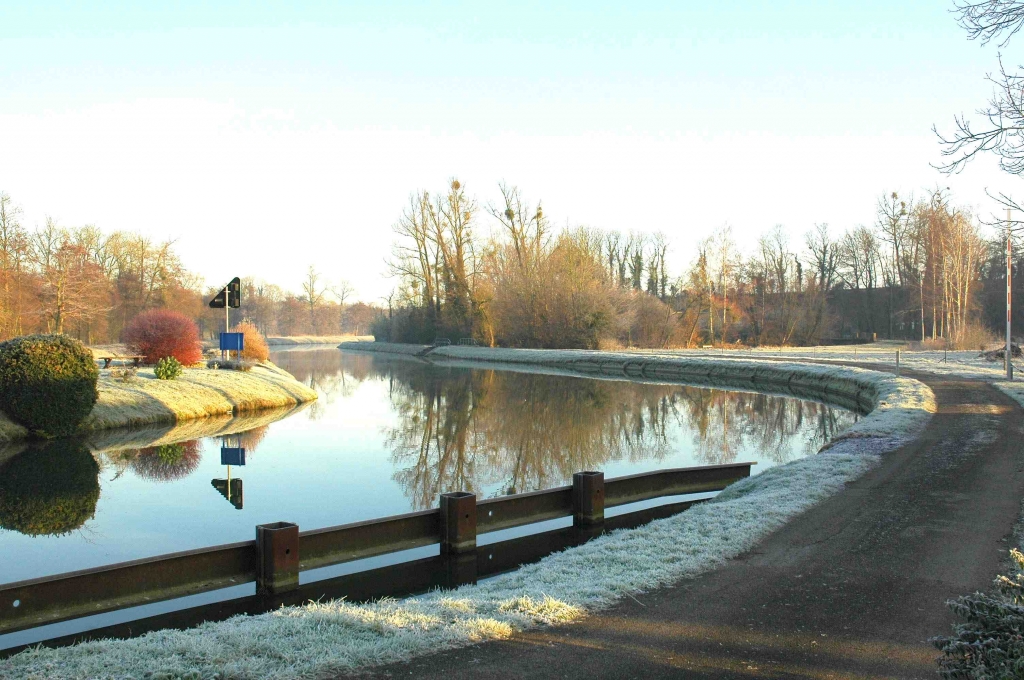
167,368
47,382
988,642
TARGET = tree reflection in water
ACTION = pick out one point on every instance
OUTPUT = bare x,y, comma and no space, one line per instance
462,429
167,462
319,369
50,489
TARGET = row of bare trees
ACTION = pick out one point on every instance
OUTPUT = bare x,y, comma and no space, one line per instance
915,273
526,284
321,308
89,284
82,281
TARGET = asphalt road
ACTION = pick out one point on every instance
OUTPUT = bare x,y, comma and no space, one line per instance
853,588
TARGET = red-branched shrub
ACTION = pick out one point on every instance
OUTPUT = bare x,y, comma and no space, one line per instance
161,333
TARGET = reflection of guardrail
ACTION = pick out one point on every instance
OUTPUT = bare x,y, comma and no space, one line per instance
281,551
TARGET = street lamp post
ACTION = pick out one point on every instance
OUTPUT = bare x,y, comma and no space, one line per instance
1008,359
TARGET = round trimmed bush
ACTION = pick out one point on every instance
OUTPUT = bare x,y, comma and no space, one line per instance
47,382
160,333
49,490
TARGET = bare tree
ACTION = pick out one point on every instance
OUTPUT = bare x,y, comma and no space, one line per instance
525,226
723,262
14,250
342,292
989,19
660,246
612,239
415,256
73,286
313,295
1002,130
635,259
824,255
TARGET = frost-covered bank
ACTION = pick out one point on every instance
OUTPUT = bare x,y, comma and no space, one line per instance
197,393
304,340
327,637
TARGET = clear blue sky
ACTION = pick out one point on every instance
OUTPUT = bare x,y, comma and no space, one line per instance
298,130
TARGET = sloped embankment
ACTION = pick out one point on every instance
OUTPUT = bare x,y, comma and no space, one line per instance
197,393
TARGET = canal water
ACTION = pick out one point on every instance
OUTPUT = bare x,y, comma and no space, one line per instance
387,435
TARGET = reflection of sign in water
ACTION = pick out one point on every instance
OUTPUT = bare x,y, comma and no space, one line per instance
230,489
232,456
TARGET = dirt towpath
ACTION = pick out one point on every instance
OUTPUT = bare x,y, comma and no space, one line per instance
853,588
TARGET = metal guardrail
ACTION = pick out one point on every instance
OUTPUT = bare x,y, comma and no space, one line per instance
281,551
397,580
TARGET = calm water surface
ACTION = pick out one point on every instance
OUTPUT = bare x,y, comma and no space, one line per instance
386,436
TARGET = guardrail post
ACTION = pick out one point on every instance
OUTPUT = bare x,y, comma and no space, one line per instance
277,557
587,498
458,522
460,569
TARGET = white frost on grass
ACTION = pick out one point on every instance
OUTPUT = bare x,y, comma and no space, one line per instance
330,637
954,363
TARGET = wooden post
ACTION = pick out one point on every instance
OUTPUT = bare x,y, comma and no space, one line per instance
277,557
897,362
458,522
587,498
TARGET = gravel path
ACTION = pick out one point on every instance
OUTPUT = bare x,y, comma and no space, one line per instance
853,588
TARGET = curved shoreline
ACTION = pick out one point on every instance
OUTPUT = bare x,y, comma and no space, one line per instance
893,405
337,636
197,393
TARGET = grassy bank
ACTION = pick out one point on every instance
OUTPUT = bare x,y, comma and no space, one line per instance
198,393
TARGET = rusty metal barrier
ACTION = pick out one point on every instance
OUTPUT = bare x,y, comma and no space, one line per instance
271,562
398,580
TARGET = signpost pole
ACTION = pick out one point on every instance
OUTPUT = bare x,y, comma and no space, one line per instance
231,293
1009,298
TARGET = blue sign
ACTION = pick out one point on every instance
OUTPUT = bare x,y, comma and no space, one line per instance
232,342
232,456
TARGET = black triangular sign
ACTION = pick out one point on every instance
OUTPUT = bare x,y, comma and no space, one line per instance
235,293
220,301
231,489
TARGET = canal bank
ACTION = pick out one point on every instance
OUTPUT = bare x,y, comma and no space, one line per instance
197,393
895,405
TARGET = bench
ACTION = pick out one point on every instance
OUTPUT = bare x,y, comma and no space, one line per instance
136,359
441,342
